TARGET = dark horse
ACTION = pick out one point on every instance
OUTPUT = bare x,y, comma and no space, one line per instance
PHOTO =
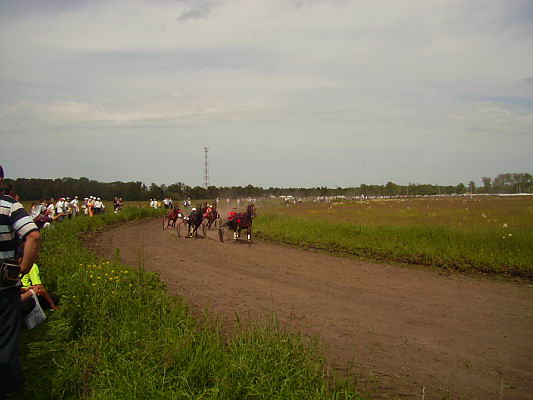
240,222
211,217
195,221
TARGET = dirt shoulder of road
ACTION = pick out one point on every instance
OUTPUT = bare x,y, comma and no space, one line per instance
408,332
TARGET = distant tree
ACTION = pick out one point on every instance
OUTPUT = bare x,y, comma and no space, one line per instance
198,193
502,181
156,192
392,189
323,190
449,189
212,192
487,184
472,187
460,188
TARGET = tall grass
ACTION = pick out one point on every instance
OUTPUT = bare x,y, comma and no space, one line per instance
117,335
486,249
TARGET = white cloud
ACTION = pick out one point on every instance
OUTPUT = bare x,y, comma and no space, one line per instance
323,76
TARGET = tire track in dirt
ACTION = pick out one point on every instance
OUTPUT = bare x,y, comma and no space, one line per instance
404,330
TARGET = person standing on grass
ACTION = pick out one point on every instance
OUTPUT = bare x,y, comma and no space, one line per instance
98,206
90,205
74,204
15,224
85,206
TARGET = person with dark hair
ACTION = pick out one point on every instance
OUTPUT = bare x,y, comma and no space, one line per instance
15,224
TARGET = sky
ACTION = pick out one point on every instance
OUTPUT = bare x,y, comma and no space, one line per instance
285,93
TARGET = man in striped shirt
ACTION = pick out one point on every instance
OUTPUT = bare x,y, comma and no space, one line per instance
15,224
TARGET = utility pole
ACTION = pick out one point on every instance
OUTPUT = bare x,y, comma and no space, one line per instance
206,168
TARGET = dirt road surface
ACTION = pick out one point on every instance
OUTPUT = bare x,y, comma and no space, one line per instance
411,333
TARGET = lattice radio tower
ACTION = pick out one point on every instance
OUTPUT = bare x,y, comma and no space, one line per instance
206,168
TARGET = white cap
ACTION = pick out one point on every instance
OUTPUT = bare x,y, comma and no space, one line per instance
98,198
193,209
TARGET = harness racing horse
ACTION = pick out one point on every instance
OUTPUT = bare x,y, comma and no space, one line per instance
169,220
174,219
195,221
211,216
240,222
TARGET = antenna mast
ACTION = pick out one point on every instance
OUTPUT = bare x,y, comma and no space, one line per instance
206,168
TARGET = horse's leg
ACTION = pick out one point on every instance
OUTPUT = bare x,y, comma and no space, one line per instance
179,228
249,234
164,222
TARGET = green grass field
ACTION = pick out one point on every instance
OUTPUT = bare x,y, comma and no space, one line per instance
117,335
488,234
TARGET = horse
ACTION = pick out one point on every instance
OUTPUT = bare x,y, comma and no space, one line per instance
169,220
211,216
194,222
240,222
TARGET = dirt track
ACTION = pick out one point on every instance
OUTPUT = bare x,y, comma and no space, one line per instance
406,330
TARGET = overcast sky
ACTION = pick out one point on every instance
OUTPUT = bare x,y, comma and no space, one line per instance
284,92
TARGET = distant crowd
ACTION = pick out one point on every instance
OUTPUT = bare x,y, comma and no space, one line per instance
45,212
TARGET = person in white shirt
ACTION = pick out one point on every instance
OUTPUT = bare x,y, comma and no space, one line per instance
98,206
38,209
74,206
60,206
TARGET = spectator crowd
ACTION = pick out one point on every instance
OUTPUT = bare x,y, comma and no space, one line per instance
23,296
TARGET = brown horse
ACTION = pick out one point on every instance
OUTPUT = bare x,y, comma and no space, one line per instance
169,220
173,219
240,222
211,216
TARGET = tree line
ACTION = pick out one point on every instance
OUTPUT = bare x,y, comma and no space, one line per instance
37,189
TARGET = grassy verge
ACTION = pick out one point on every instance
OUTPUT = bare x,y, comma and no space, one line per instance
486,250
117,335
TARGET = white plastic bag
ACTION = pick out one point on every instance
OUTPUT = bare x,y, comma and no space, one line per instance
37,315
